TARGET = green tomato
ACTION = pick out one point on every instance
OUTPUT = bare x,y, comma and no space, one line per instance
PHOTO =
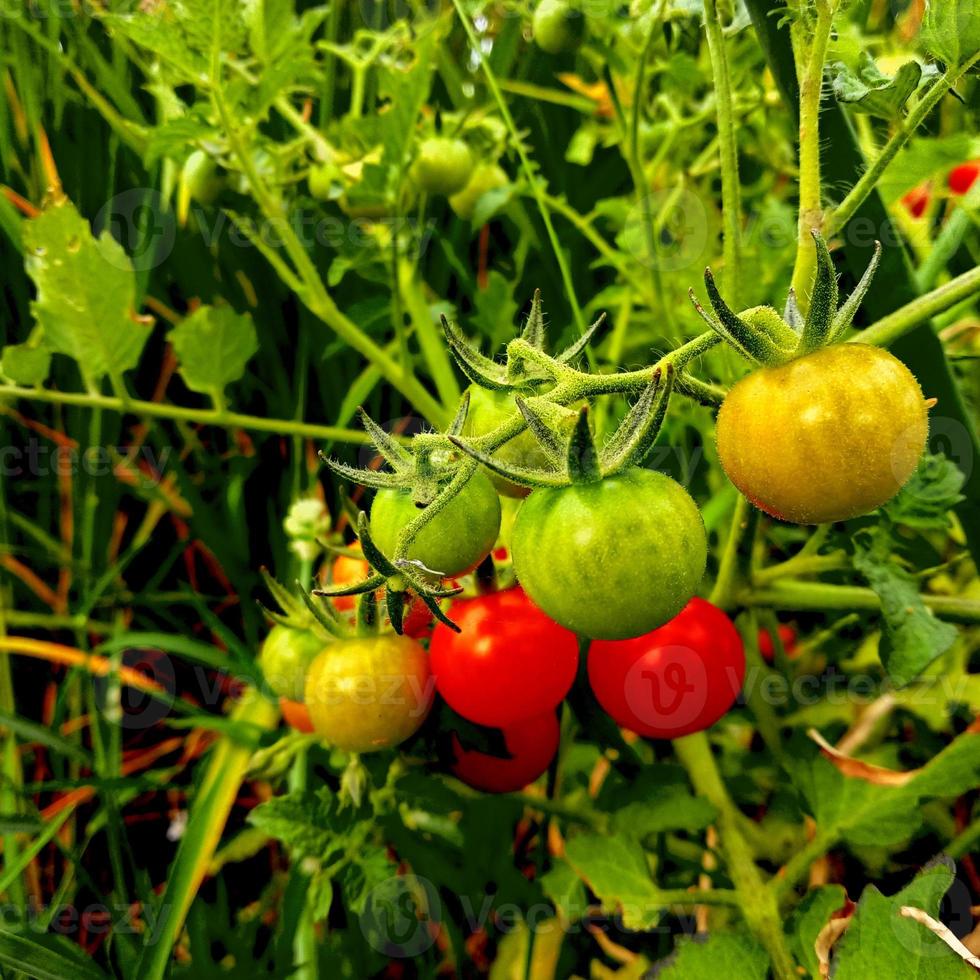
557,26
200,178
443,165
370,693
456,540
285,658
825,437
321,179
486,177
613,559
488,409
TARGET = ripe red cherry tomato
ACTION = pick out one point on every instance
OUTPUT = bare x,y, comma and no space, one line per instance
787,636
532,745
509,663
962,177
917,200
681,678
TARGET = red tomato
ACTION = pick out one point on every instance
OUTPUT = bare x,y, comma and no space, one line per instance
677,679
510,662
786,634
917,200
296,715
417,620
961,178
532,745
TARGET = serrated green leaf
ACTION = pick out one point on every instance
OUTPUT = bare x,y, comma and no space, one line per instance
809,917
951,30
880,942
86,293
933,491
728,954
673,809
24,364
46,957
310,825
615,868
913,638
869,91
213,345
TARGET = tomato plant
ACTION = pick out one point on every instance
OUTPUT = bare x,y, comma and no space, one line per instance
677,679
611,559
531,746
443,165
508,663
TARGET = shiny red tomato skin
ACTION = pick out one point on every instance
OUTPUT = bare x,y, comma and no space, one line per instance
510,662
678,679
961,178
532,745
787,636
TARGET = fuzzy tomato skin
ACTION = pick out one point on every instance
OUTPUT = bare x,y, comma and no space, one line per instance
510,662
961,178
675,680
296,715
369,693
825,437
285,658
486,177
532,745
557,26
443,165
612,559
488,409
456,540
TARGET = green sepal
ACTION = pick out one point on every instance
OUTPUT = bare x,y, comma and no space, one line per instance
368,584
535,332
324,614
632,441
516,474
575,349
752,345
845,315
823,301
582,455
375,557
395,455
277,590
766,321
368,619
378,479
477,367
436,611
459,419
395,602
542,432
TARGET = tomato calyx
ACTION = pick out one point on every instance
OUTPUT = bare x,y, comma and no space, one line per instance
764,337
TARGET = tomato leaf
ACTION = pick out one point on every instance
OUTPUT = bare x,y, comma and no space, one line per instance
86,293
729,954
24,364
913,638
869,91
881,943
213,345
951,30
809,917
565,889
925,501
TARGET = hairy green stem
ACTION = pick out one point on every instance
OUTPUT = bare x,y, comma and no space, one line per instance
799,864
757,903
889,328
731,196
846,210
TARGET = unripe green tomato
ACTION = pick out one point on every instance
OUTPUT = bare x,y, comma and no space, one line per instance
612,559
369,693
486,177
826,437
443,165
456,540
557,26
199,179
488,409
285,658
